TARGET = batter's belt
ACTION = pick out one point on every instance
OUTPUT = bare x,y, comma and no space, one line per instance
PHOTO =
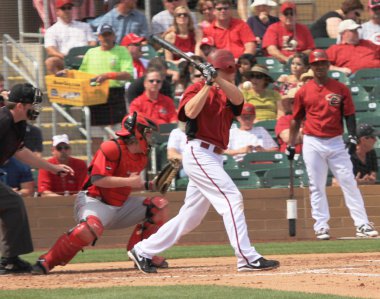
216,150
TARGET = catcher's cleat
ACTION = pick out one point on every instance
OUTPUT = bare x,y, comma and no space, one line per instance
143,264
366,230
260,265
40,268
14,265
323,234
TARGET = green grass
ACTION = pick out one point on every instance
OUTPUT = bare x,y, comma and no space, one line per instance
167,292
93,255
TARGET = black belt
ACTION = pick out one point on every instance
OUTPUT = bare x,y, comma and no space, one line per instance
217,150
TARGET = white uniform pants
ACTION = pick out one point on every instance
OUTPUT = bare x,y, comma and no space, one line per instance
208,184
319,155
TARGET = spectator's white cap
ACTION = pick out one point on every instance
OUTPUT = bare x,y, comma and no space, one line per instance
347,25
263,2
57,139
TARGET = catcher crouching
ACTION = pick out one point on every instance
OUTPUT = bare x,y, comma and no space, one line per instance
105,201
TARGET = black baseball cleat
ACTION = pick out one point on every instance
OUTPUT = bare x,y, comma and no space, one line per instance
260,265
143,264
14,265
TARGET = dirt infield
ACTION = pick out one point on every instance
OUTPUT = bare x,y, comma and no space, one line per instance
340,274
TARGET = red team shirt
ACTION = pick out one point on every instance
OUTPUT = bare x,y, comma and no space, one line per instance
48,181
161,111
185,44
355,57
277,35
283,123
322,107
106,163
139,68
232,38
214,121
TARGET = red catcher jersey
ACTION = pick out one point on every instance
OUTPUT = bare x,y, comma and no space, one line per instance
324,107
214,121
106,163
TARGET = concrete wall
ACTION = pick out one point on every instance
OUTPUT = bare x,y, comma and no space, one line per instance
265,211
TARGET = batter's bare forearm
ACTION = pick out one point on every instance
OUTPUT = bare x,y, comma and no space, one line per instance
232,92
196,104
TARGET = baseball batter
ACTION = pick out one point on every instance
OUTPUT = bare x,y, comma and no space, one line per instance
325,102
105,203
208,109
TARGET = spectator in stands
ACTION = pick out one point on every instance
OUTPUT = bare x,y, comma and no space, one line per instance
184,36
243,9
206,9
364,159
152,103
64,35
18,176
137,87
33,139
245,62
108,62
230,33
371,29
176,144
124,18
282,128
248,138
266,101
188,75
327,25
163,21
207,46
283,39
53,185
352,53
261,19
298,66
133,43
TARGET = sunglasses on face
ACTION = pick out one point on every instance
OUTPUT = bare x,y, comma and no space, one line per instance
257,76
222,8
62,147
171,1
289,13
180,15
66,7
155,81
207,9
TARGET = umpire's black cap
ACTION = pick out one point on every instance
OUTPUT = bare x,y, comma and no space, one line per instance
22,93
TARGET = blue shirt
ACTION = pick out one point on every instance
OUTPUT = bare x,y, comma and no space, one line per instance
16,173
135,22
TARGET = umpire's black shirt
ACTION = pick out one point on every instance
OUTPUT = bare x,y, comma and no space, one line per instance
11,135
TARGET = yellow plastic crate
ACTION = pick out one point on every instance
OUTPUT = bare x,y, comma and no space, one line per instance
75,89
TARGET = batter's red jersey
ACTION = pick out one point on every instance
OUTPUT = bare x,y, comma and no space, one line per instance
324,107
214,121
355,57
48,181
161,111
109,160
232,38
277,35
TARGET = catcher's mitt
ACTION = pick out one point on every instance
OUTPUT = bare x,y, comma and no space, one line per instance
162,181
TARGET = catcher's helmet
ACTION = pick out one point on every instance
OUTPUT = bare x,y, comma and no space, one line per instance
318,55
223,60
137,126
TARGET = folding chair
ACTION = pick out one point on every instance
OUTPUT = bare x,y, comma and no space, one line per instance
244,179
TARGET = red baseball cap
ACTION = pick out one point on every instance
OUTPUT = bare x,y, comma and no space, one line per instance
207,40
60,3
287,5
248,109
318,55
131,38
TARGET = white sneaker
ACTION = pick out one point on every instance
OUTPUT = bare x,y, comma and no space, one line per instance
323,234
366,230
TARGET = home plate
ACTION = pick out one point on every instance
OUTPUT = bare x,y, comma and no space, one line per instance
359,238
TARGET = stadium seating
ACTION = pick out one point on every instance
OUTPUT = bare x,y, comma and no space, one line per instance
229,162
359,94
375,93
244,179
271,63
339,76
368,78
324,42
269,125
280,178
148,52
74,58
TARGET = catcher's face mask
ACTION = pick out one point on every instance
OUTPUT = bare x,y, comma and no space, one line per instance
36,105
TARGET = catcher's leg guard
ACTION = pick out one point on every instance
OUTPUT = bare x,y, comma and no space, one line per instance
156,216
67,246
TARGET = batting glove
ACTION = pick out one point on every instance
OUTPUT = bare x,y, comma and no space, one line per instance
351,143
208,72
290,152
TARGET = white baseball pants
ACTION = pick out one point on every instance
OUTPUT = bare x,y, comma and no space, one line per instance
319,155
208,184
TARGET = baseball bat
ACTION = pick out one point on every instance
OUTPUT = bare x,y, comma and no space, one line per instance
170,47
291,203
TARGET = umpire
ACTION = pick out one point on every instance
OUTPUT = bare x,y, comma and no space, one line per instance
24,103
